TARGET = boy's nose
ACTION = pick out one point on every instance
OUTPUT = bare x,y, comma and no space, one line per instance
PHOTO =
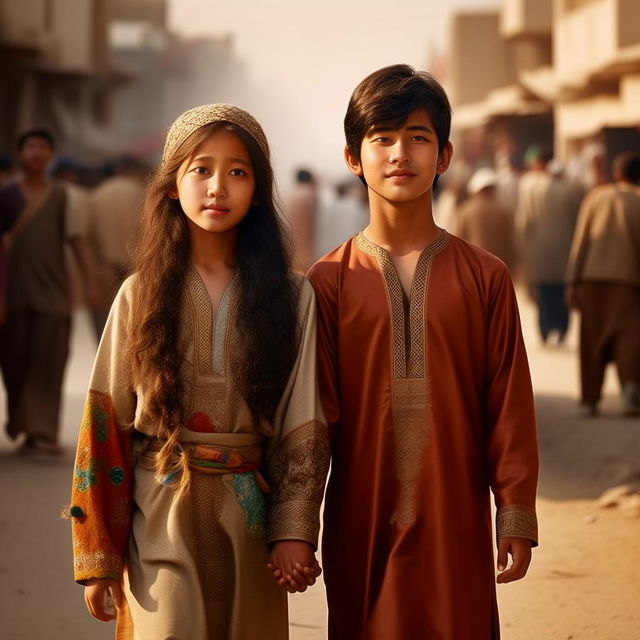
399,154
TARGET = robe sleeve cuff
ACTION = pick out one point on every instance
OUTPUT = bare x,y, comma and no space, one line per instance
294,521
97,565
517,521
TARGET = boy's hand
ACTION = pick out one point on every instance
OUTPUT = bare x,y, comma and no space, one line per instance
96,597
294,565
520,551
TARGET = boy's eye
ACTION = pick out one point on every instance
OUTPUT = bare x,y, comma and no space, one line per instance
381,139
420,138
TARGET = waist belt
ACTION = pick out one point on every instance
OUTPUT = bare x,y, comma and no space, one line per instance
215,459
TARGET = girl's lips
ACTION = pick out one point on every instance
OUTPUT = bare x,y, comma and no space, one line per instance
216,211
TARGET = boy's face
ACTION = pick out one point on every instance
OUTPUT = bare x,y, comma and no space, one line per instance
399,165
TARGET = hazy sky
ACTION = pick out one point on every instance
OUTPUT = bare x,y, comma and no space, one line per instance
305,59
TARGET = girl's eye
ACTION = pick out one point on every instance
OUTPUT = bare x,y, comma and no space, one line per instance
237,172
200,170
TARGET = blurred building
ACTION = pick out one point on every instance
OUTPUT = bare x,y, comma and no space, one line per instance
172,74
106,76
563,73
56,72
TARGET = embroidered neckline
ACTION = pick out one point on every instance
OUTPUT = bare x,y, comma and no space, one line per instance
409,357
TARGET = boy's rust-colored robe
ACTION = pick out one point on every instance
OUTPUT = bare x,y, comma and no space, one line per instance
430,405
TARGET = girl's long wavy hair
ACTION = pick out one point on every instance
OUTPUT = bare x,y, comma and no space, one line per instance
266,318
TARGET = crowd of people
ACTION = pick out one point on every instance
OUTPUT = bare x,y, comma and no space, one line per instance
572,244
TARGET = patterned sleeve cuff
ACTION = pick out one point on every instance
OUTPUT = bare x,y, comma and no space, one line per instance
517,521
97,565
294,521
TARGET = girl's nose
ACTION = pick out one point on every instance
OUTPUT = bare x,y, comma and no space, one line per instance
215,188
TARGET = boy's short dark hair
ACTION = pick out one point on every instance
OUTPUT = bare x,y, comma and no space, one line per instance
42,134
389,96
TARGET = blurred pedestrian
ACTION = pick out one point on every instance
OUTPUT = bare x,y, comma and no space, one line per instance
483,220
549,216
604,284
533,187
302,211
341,218
6,169
35,338
452,193
115,213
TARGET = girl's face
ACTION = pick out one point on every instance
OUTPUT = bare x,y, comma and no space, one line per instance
216,185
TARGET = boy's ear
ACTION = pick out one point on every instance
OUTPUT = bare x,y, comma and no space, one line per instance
352,162
444,158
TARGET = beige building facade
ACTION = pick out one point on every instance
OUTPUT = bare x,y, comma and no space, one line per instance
56,72
574,62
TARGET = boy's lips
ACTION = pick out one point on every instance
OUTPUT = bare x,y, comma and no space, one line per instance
401,173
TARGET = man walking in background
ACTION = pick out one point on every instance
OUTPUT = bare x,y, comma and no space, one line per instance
604,284
35,337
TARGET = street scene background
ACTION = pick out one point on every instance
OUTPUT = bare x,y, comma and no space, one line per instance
548,89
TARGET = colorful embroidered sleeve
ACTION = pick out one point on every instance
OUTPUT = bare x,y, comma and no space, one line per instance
100,508
298,458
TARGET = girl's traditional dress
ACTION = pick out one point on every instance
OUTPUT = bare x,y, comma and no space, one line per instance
194,567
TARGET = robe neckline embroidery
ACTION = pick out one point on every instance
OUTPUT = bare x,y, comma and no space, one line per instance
409,355
211,327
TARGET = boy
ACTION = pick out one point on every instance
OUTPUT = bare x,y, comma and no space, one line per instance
426,387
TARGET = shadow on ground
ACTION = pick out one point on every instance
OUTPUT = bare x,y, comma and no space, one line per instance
582,457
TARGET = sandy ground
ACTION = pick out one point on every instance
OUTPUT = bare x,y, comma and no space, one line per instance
584,583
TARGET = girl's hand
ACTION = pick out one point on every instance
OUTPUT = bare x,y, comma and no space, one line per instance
97,596
294,565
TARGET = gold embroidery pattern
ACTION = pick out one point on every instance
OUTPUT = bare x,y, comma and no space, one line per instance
213,546
409,397
202,318
395,299
210,397
410,364
409,411
518,521
97,565
417,357
297,469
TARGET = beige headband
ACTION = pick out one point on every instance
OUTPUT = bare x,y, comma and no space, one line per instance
198,117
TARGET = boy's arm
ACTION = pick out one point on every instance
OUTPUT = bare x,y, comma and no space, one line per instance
511,443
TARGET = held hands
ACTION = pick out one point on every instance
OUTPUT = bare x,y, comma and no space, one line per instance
293,565
96,597
520,551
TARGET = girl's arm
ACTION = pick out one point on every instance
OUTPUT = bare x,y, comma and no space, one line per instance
100,509
298,457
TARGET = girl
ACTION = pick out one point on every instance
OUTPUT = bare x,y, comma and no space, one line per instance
204,379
